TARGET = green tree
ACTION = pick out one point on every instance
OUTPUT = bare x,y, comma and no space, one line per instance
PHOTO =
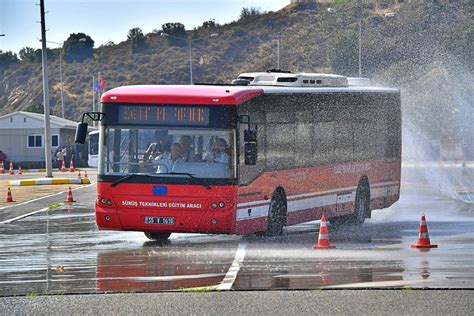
175,29
211,24
36,107
29,54
137,39
7,59
249,13
78,47
34,55
342,53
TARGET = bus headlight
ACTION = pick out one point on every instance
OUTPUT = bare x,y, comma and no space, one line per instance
214,205
221,204
103,201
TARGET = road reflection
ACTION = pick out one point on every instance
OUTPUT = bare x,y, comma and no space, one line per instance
62,251
162,267
320,274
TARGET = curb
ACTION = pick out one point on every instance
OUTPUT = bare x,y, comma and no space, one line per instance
48,181
40,170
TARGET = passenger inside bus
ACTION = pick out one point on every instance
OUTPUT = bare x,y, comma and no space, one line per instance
167,161
218,152
160,145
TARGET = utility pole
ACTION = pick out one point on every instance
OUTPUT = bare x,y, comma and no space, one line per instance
99,105
47,131
93,97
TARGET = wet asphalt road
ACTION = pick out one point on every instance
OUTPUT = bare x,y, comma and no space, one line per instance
61,251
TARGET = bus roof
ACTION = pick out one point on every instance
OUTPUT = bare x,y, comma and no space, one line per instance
180,94
218,94
350,89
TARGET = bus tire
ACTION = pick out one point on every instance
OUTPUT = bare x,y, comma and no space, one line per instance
361,207
157,235
277,214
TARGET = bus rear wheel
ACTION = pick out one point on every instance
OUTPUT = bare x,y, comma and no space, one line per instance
157,235
277,214
361,209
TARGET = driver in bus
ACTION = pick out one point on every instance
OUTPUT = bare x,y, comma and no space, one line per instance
187,151
218,152
166,161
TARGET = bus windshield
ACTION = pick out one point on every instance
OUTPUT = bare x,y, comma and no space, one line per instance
170,152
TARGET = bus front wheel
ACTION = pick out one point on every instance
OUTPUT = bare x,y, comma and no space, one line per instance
277,214
157,235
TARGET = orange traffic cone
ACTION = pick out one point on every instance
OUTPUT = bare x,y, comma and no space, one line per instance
69,199
2,167
63,167
79,175
85,174
9,196
323,239
19,170
463,168
423,237
11,168
71,166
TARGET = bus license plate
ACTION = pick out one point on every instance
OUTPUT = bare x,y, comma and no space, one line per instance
159,220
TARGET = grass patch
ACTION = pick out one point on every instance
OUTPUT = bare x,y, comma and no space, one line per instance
55,206
36,294
202,289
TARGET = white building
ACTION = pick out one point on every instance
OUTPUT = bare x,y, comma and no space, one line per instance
22,135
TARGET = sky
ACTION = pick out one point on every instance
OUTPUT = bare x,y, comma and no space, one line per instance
110,20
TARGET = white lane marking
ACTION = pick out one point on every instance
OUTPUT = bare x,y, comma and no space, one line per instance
8,221
11,220
47,196
231,274
143,279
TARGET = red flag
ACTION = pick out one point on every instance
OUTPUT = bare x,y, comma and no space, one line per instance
101,83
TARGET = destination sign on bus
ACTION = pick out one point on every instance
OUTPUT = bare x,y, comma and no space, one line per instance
163,115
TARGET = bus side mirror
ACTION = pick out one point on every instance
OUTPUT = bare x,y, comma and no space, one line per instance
250,135
81,133
251,154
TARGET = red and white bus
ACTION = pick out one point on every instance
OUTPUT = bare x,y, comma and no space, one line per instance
270,150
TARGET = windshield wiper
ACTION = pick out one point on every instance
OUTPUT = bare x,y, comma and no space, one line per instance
186,174
179,174
127,177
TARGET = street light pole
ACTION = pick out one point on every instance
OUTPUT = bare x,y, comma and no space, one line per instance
190,41
278,50
61,71
190,62
60,74
47,123
360,48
